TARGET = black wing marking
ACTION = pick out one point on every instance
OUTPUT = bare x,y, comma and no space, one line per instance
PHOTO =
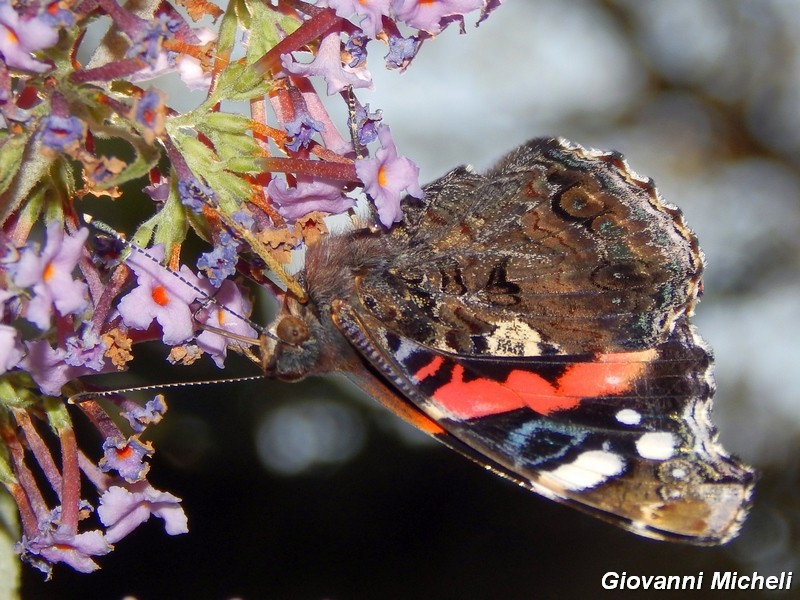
559,245
646,459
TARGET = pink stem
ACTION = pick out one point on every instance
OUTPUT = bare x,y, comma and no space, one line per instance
312,168
310,30
40,450
38,506
71,489
108,429
93,473
30,524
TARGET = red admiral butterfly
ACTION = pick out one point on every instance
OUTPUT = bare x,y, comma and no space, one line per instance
535,319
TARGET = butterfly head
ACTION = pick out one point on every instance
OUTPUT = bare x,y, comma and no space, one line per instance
303,341
291,351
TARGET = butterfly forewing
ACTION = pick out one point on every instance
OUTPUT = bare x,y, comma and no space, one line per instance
557,250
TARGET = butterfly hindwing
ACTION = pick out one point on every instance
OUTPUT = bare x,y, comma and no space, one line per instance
626,436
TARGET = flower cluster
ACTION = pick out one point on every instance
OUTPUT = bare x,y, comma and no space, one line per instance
74,302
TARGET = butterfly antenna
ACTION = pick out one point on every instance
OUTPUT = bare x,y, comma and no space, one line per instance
352,122
206,299
93,395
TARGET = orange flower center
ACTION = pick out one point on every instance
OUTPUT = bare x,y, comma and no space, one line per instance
160,296
124,452
49,271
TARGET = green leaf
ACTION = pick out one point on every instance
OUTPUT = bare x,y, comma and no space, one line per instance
231,123
33,167
230,145
167,227
270,25
229,188
57,414
172,226
10,565
11,158
15,393
239,82
245,164
230,135
234,12
49,196
198,156
58,189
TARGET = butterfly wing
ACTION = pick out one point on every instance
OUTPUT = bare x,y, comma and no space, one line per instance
538,316
625,436
558,250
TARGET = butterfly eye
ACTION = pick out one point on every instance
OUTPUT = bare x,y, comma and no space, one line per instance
292,330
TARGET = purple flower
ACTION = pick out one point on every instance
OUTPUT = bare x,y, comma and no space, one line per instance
367,124
56,15
61,545
139,417
356,49
244,218
49,369
63,134
162,295
301,129
10,350
427,15
220,263
159,190
371,10
328,64
50,274
195,195
86,350
308,196
150,112
21,36
126,457
150,37
401,51
487,8
386,176
220,314
123,509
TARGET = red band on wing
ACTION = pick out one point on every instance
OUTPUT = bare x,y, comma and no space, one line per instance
610,374
429,369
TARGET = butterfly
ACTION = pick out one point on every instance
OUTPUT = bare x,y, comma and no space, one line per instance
535,319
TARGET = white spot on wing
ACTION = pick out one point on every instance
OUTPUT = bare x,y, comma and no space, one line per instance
406,349
679,473
587,471
656,446
514,338
628,416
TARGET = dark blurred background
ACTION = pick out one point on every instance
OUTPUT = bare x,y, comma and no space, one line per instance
311,492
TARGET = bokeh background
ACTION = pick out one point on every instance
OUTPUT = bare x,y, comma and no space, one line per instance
313,492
